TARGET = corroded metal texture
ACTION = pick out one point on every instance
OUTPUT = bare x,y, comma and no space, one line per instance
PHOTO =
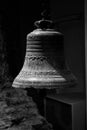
37,71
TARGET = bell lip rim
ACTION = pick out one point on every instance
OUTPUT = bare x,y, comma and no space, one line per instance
51,85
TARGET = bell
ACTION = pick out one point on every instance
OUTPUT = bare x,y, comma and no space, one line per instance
38,71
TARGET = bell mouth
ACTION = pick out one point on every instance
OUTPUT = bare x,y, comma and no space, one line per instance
44,83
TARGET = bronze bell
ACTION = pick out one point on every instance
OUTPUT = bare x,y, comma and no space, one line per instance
37,71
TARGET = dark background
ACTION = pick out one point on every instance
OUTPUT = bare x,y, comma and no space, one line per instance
17,20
